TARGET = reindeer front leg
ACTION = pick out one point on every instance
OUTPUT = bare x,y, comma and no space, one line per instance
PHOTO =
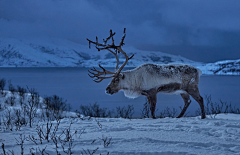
152,100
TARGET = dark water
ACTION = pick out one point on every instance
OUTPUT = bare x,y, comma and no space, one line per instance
74,85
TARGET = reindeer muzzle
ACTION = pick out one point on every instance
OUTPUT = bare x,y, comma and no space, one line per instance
109,91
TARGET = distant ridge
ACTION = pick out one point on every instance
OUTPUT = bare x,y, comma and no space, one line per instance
47,52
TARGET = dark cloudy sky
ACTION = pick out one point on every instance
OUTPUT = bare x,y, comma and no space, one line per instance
201,30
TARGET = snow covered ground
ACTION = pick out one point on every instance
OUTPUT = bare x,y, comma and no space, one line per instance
74,134
138,136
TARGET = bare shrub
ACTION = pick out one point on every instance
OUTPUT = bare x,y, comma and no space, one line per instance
10,100
38,150
55,137
86,110
106,140
214,108
48,110
89,152
20,141
11,88
44,135
125,112
167,112
18,119
3,148
58,104
145,112
21,91
95,111
55,105
2,85
32,104
8,119
68,139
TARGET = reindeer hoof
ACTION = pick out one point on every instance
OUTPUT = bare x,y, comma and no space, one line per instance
179,116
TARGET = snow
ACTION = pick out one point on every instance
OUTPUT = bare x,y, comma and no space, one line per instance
187,135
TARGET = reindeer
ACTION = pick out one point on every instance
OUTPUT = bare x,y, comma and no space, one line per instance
149,79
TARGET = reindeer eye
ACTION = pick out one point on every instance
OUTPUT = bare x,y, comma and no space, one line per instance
116,80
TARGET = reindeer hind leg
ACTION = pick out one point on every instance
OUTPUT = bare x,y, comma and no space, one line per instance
152,100
187,101
194,92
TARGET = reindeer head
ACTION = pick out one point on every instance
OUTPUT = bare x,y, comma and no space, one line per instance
117,76
115,84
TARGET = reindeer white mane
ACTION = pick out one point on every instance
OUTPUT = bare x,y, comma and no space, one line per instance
131,93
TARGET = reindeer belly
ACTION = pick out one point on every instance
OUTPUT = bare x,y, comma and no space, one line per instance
167,84
171,88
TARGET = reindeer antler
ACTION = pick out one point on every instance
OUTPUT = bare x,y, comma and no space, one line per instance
127,58
117,49
99,73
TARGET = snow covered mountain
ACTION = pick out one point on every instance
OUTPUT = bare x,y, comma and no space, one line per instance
64,53
227,67
47,52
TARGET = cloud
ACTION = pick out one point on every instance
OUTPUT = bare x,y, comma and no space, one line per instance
165,22
212,14
75,18
69,19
